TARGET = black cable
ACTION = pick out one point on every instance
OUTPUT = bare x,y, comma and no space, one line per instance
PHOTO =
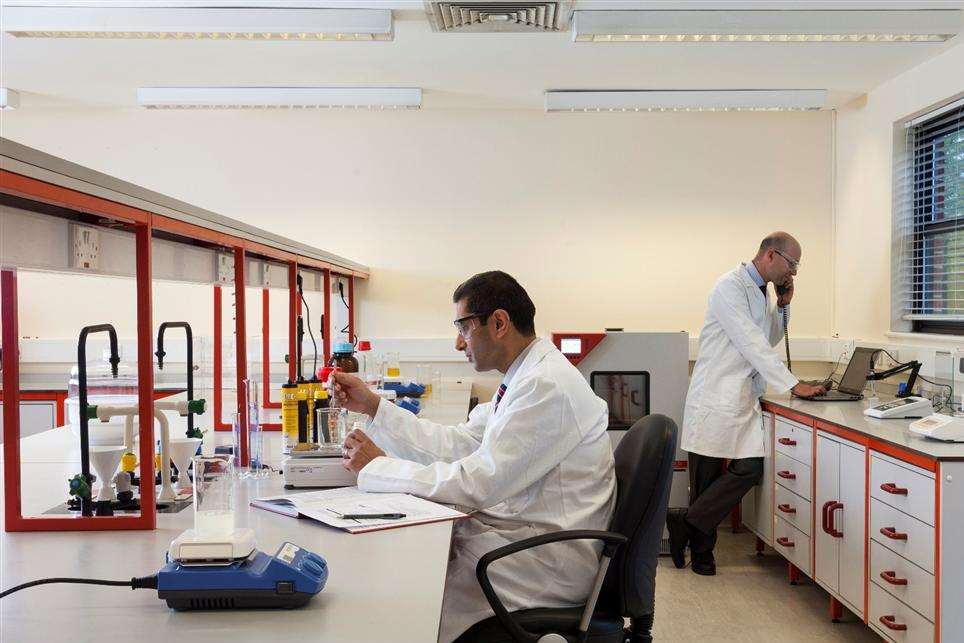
146,582
314,362
341,291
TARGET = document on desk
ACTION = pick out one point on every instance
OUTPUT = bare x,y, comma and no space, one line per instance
329,505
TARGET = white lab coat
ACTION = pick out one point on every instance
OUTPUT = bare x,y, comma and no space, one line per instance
736,362
541,462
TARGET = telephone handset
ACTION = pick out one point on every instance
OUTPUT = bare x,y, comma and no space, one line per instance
782,290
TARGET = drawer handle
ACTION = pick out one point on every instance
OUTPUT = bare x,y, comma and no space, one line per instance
786,475
891,577
890,487
831,526
786,542
787,509
891,623
892,533
787,442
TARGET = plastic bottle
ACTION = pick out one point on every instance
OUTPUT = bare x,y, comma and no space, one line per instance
368,364
289,415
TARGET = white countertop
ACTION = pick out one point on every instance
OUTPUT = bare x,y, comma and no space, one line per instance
850,415
383,585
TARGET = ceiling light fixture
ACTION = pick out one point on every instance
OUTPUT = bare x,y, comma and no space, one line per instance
187,23
716,26
280,97
685,100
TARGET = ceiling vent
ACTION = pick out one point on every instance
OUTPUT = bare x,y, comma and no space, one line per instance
517,16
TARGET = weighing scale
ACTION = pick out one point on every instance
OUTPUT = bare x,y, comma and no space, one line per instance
321,467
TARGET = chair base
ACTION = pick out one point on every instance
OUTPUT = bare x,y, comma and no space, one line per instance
539,621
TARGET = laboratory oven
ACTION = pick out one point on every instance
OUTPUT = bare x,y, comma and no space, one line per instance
636,374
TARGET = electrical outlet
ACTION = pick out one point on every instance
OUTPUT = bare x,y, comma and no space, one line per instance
225,268
85,248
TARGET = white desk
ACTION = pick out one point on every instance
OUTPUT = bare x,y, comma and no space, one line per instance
383,585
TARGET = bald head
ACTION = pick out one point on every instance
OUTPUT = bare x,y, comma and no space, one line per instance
778,258
780,241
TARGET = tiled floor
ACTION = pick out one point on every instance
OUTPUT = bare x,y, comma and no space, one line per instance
749,600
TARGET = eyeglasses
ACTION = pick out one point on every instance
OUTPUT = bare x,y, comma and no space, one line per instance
793,263
463,326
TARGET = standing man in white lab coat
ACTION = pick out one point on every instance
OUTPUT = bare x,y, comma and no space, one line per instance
535,459
722,418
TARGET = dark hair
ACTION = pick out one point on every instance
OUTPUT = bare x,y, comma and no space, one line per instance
490,291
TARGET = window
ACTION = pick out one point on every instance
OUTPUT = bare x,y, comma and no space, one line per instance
929,222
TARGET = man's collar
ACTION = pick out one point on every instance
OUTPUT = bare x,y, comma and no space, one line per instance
755,274
510,373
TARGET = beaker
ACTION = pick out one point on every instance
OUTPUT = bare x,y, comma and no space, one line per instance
392,366
213,496
331,423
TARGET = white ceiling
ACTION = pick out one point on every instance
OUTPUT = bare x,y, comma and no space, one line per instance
456,71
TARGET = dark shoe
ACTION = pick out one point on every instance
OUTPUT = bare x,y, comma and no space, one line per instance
704,564
678,536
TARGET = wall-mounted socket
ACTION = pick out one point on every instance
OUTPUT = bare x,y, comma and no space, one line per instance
84,247
225,268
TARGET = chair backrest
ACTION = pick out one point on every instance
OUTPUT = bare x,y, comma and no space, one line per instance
644,472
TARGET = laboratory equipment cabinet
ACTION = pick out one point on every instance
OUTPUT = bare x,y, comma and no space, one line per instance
840,525
871,514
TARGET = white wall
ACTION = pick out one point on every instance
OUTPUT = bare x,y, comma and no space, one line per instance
865,132
607,219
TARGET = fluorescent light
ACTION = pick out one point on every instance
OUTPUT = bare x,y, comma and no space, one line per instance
279,97
199,23
933,25
685,100
9,98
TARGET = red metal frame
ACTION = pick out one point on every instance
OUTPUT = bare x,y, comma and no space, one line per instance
144,223
326,340
241,349
265,352
351,308
217,366
13,516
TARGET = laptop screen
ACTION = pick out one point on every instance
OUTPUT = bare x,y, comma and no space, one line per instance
855,377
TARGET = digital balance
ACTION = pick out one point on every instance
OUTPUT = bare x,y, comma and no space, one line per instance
901,408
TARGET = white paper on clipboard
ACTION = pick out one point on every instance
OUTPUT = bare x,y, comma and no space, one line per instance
328,505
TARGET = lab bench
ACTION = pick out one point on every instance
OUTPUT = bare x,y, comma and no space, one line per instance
395,576
870,511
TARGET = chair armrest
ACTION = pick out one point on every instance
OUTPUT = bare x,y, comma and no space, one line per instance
611,542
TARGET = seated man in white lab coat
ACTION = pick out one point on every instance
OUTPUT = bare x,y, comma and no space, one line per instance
533,460
722,418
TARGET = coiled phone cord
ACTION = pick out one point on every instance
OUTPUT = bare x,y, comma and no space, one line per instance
786,337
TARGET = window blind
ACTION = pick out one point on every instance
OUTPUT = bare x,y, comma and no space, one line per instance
929,221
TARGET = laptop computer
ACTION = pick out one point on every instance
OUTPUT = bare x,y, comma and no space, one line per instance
851,387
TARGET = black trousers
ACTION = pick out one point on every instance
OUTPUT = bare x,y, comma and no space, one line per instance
714,491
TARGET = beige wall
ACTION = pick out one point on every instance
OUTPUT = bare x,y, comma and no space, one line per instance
607,219
865,137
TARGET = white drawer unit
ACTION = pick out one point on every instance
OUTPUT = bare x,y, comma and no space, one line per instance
903,486
35,416
757,505
793,439
792,508
792,474
896,621
902,579
792,544
903,534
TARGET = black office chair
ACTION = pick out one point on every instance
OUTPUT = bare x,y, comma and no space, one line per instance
626,580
